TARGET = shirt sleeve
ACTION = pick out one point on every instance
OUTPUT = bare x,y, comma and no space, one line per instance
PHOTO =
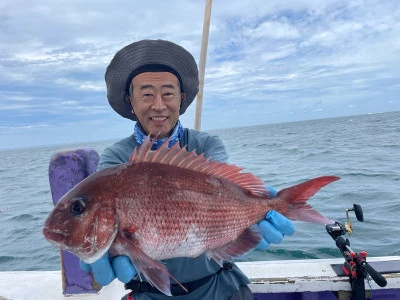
116,154
215,149
210,145
109,158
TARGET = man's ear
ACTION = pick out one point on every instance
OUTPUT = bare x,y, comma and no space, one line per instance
183,97
128,100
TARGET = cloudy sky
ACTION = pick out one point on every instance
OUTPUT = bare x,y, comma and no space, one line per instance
268,61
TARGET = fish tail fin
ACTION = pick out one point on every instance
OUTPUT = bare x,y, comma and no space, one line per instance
296,197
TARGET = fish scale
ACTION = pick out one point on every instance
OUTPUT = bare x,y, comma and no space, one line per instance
170,203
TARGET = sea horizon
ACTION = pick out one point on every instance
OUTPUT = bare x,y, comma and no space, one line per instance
207,130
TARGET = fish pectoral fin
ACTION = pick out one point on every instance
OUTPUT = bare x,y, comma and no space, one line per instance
155,272
244,243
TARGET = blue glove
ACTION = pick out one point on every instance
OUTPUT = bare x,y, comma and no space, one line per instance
274,227
106,270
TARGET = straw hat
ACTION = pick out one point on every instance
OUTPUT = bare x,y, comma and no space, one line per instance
149,56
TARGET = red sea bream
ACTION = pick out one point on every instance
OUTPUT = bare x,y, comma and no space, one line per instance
171,203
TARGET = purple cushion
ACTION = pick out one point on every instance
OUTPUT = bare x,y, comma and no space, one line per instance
66,169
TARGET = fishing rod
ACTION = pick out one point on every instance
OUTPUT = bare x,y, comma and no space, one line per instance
202,64
355,265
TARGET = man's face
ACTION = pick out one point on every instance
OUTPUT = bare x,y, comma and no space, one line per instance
156,102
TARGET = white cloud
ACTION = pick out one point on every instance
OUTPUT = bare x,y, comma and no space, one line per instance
275,30
267,62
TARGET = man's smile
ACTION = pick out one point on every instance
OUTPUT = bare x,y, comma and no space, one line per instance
158,118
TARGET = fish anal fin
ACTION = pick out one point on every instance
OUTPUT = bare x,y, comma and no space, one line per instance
180,157
244,243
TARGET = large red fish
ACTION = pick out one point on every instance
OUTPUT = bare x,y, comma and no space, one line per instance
171,203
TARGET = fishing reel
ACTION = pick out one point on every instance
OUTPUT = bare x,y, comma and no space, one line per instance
337,229
355,265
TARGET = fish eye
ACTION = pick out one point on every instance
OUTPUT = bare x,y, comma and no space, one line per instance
78,206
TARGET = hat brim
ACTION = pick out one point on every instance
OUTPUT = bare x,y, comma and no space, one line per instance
149,52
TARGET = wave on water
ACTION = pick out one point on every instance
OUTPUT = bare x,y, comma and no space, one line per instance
364,152
25,218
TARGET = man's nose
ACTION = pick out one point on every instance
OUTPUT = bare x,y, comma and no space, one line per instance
158,103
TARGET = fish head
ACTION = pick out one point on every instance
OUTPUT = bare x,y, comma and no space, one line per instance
82,225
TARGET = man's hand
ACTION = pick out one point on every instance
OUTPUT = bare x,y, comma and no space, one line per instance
274,227
106,270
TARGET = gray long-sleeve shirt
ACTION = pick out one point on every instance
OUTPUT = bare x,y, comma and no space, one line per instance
225,283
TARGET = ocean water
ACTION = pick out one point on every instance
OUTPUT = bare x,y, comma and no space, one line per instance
363,150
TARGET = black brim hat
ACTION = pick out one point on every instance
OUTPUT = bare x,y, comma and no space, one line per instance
149,56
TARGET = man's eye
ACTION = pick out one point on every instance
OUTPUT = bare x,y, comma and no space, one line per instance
168,95
147,97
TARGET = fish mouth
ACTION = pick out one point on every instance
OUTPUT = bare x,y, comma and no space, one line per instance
58,239
54,236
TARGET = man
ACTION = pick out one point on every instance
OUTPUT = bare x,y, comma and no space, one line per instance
153,82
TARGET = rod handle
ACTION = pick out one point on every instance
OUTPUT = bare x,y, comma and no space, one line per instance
376,276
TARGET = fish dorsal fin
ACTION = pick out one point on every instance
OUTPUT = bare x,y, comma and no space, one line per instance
179,157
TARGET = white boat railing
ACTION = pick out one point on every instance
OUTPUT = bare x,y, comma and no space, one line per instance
311,276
